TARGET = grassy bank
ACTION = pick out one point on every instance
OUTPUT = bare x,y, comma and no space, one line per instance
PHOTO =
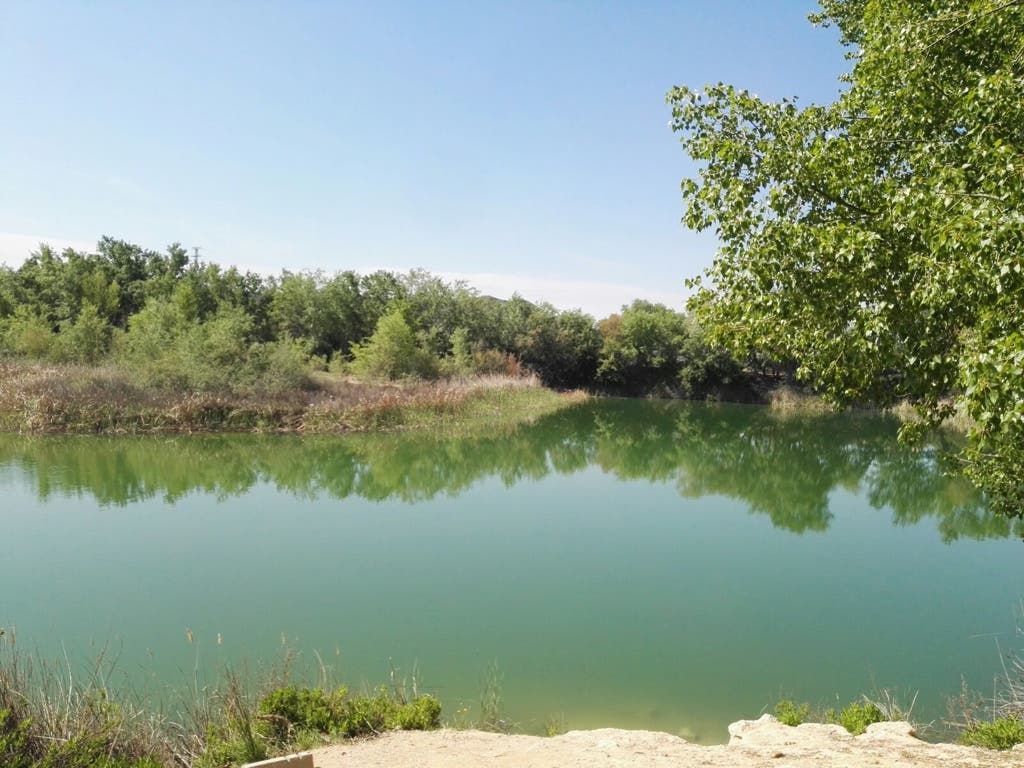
786,400
52,716
49,398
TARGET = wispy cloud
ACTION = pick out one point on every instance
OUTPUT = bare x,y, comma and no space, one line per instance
597,298
16,247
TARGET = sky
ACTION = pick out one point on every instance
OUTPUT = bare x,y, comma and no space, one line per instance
519,146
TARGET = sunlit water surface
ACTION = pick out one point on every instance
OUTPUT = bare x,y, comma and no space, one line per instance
630,564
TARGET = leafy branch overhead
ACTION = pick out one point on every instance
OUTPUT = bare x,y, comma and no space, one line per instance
879,240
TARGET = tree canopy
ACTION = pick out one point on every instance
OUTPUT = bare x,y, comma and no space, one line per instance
878,240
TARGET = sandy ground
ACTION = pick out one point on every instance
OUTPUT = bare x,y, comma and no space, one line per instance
764,742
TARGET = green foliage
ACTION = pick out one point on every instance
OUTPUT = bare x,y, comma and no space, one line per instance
15,747
280,366
224,749
1002,733
461,360
392,351
555,725
491,700
561,347
26,334
790,713
97,746
877,240
857,716
423,713
86,340
290,710
651,348
90,752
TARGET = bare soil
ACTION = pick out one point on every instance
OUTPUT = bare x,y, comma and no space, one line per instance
763,742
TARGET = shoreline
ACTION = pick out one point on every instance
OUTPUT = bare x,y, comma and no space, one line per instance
752,743
65,399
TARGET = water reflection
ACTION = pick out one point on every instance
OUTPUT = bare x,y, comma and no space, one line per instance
785,467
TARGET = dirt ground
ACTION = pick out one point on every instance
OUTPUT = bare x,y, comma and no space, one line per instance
763,742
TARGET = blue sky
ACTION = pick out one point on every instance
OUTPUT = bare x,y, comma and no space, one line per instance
519,145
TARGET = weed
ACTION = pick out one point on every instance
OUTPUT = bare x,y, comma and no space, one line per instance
1002,733
857,716
491,701
790,713
555,725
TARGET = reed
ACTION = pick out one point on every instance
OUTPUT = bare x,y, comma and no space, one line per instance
51,398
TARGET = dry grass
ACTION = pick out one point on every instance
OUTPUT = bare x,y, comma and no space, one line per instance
785,400
960,423
42,398
68,715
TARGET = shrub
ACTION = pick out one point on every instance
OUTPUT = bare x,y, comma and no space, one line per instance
87,340
392,352
421,714
1002,733
289,709
461,361
28,335
279,366
15,748
858,716
790,713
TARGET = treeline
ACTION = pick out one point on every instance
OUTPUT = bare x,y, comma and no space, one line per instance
178,322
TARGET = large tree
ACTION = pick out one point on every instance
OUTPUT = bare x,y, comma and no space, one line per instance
879,240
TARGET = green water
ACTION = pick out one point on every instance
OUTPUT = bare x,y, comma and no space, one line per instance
631,564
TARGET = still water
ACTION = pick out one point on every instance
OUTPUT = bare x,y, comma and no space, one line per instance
632,564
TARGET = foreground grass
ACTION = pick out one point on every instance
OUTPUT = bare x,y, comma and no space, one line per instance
41,398
51,717
54,717
1000,727
855,717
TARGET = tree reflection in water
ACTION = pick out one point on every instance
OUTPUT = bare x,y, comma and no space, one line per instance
784,466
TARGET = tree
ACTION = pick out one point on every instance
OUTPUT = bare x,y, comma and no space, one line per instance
560,347
391,352
879,240
642,348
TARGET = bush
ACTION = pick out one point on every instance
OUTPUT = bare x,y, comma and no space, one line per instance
279,366
858,716
421,714
26,335
289,709
87,340
1003,733
392,352
790,713
15,748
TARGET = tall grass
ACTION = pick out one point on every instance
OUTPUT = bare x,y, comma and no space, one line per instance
995,721
60,716
40,398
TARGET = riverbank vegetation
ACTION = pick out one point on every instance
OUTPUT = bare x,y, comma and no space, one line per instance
54,717
47,397
171,324
126,340
58,717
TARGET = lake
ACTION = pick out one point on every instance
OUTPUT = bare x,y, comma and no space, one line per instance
621,563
